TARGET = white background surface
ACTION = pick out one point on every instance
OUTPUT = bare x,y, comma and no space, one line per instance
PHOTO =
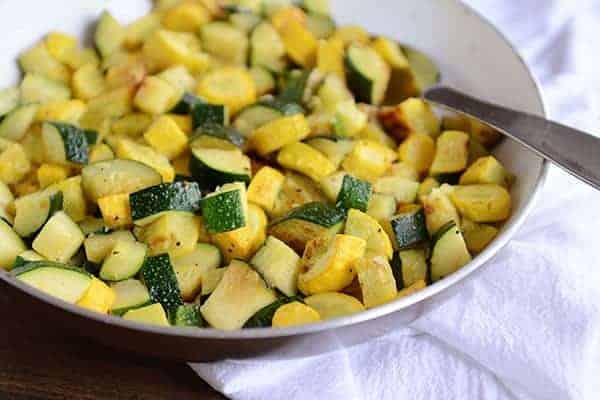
528,327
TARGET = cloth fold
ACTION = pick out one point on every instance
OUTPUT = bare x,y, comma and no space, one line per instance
527,327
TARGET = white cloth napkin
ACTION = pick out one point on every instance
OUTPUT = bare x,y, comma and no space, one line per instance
529,326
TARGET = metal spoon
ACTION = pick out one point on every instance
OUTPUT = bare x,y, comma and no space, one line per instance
575,151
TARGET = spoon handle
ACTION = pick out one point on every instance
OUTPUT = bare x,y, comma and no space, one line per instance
575,151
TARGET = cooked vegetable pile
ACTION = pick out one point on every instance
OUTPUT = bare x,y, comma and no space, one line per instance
237,164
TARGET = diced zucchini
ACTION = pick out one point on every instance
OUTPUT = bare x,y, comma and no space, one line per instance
335,149
305,159
100,152
332,92
153,314
349,120
294,314
374,131
334,305
368,160
265,188
225,209
296,191
263,318
88,82
332,185
74,202
330,57
129,150
14,164
245,21
140,29
424,70
354,194
404,170
186,17
9,100
99,245
112,177
148,204
165,48
411,116
409,266
266,48
211,280
404,190
65,144
376,279
11,246
188,315
34,210
129,294
381,206
191,269
305,223
255,116
477,236
452,153
239,295
39,89
327,263
124,261
278,133
231,86
367,228
279,265
243,242
486,170
417,150
482,203
214,167
159,277
427,186
439,210
367,73
155,96
174,232
321,26
415,287
165,136
300,44
58,280
449,253
59,239
409,227
109,35
99,297
263,80
214,136
15,124
352,33
186,103
6,199
38,60
225,42
484,134
207,114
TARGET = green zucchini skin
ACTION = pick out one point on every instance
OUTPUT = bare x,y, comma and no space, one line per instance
209,178
317,213
75,141
264,317
224,212
188,315
294,86
410,228
203,114
176,196
282,105
400,271
186,104
56,205
355,193
227,133
360,85
396,264
159,277
91,136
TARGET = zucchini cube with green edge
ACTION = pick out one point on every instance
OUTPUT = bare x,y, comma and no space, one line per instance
477,236
191,269
214,167
278,264
331,186
211,135
449,252
16,122
111,177
74,201
265,187
165,136
404,190
175,232
155,96
11,245
148,204
130,150
335,149
349,120
129,294
98,245
243,242
381,206
153,314
59,239
14,163
411,116
369,160
124,261
186,104
409,266
99,297
439,210
334,305
327,264
367,228
159,277
275,134
238,296
188,315
254,116
376,280
367,74
203,114
116,211
226,209
65,143
294,314
55,279
303,158
409,226
307,222
33,211
263,80
451,154
482,203
355,193
266,48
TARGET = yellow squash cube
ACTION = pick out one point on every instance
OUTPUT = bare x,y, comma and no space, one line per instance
165,136
265,187
134,124
155,96
99,297
330,57
242,243
376,280
101,152
58,44
166,48
88,82
369,160
176,233
130,150
451,154
231,86
306,160
417,150
48,174
112,104
276,134
14,164
69,111
410,116
294,314
186,17
116,211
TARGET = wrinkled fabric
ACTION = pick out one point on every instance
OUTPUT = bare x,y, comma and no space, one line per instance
528,326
